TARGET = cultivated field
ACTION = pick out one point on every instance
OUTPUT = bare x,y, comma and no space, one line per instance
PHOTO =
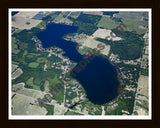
143,85
22,106
14,67
23,20
62,18
107,23
18,86
91,43
32,93
103,33
141,100
93,13
16,73
23,102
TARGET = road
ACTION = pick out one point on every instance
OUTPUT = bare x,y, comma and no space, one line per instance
145,39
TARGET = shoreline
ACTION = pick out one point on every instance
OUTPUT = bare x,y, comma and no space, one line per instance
120,88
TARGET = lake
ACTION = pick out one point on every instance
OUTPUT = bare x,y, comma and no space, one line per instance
98,78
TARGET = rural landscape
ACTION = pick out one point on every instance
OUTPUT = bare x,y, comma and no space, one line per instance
51,77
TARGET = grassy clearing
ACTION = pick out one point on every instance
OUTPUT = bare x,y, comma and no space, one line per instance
56,89
30,82
86,18
18,30
41,60
13,62
72,113
75,15
50,109
61,16
33,65
15,49
25,53
22,106
134,25
135,16
107,23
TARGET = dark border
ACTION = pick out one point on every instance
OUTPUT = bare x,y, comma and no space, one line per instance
154,123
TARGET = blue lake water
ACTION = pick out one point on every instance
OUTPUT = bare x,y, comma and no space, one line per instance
99,77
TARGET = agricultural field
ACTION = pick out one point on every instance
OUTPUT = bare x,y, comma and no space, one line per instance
14,67
23,20
93,13
74,15
139,26
16,72
72,113
105,33
143,86
92,43
62,18
22,105
135,16
108,23
141,102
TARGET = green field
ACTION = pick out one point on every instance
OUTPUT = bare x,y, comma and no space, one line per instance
30,82
50,109
72,113
41,60
57,89
134,25
107,23
13,62
17,31
15,49
33,65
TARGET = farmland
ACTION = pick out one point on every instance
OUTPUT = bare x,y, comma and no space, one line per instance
141,102
23,20
108,23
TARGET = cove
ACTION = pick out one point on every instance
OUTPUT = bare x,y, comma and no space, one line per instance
98,78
